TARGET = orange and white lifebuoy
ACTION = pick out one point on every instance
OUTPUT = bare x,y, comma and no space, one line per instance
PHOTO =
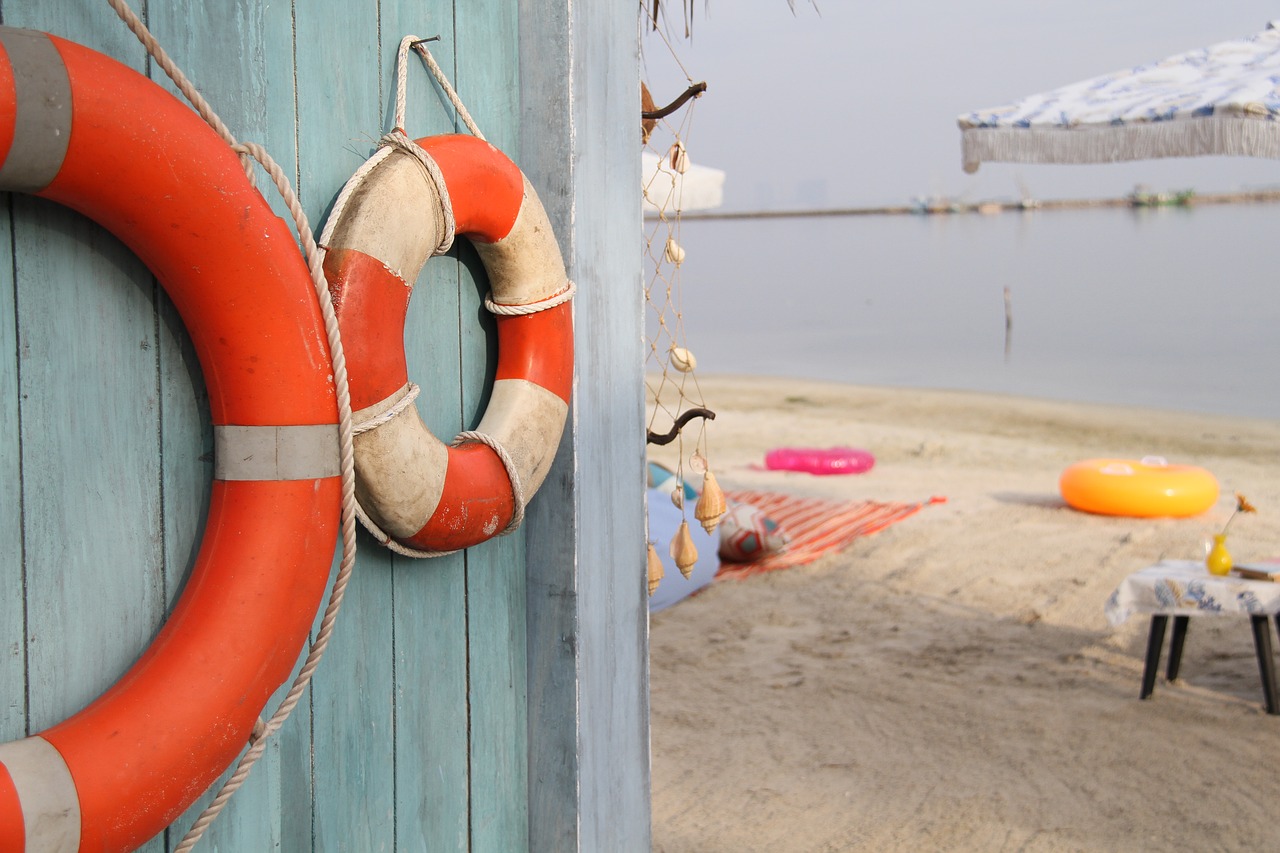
392,217
84,131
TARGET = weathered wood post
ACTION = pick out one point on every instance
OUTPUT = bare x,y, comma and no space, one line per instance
588,626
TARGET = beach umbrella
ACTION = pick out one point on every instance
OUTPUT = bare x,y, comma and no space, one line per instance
1218,100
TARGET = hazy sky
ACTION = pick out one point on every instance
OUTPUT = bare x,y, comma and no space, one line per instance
856,104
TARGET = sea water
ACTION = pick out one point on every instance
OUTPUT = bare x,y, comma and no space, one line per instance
1174,308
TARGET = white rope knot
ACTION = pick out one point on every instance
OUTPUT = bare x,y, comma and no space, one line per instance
531,307
399,139
517,490
390,414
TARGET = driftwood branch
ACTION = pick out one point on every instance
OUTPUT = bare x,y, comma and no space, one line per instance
692,92
690,414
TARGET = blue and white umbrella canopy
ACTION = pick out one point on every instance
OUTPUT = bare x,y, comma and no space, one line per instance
1218,100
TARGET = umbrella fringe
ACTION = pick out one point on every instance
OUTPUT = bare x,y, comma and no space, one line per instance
1241,136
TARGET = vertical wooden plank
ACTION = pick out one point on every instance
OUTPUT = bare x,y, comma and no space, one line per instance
488,83
588,632
278,126
339,114
13,658
432,725
239,57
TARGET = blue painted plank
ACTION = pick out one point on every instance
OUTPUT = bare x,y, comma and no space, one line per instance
588,604
295,798
90,453
84,308
432,723
276,129
13,658
339,112
487,80
553,582
230,57
613,602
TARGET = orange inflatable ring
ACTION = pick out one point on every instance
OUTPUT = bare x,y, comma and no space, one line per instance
1146,488
82,130
389,220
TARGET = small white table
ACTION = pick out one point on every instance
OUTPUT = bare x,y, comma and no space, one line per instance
1184,588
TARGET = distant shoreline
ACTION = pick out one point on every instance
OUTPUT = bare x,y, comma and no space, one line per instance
931,207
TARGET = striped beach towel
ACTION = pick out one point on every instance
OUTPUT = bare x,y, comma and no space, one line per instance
816,526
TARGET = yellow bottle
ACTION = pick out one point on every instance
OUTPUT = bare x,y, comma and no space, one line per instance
1219,560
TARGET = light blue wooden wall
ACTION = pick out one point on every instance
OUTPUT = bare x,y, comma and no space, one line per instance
494,700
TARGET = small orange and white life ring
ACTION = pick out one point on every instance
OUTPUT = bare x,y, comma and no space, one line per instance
388,222
82,130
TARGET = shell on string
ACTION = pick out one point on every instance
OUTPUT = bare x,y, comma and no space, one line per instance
683,360
677,495
711,504
683,551
679,157
674,252
656,572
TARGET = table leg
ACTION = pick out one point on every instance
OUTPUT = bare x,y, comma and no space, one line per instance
1266,662
1154,641
1175,646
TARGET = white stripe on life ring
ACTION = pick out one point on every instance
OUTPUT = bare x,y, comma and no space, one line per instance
520,416
46,793
400,504
523,266
42,125
303,452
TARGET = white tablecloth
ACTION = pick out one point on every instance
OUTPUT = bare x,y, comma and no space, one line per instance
1185,588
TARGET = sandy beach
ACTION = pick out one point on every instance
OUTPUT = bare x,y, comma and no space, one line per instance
951,682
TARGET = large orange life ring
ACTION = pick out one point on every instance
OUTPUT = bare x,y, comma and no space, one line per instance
1142,488
82,130
424,495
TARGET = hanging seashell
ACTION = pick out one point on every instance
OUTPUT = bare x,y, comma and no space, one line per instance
698,462
679,157
683,551
674,252
677,495
711,505
656,572
683,360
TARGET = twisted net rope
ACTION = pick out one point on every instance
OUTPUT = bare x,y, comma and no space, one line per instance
674,391
248,153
